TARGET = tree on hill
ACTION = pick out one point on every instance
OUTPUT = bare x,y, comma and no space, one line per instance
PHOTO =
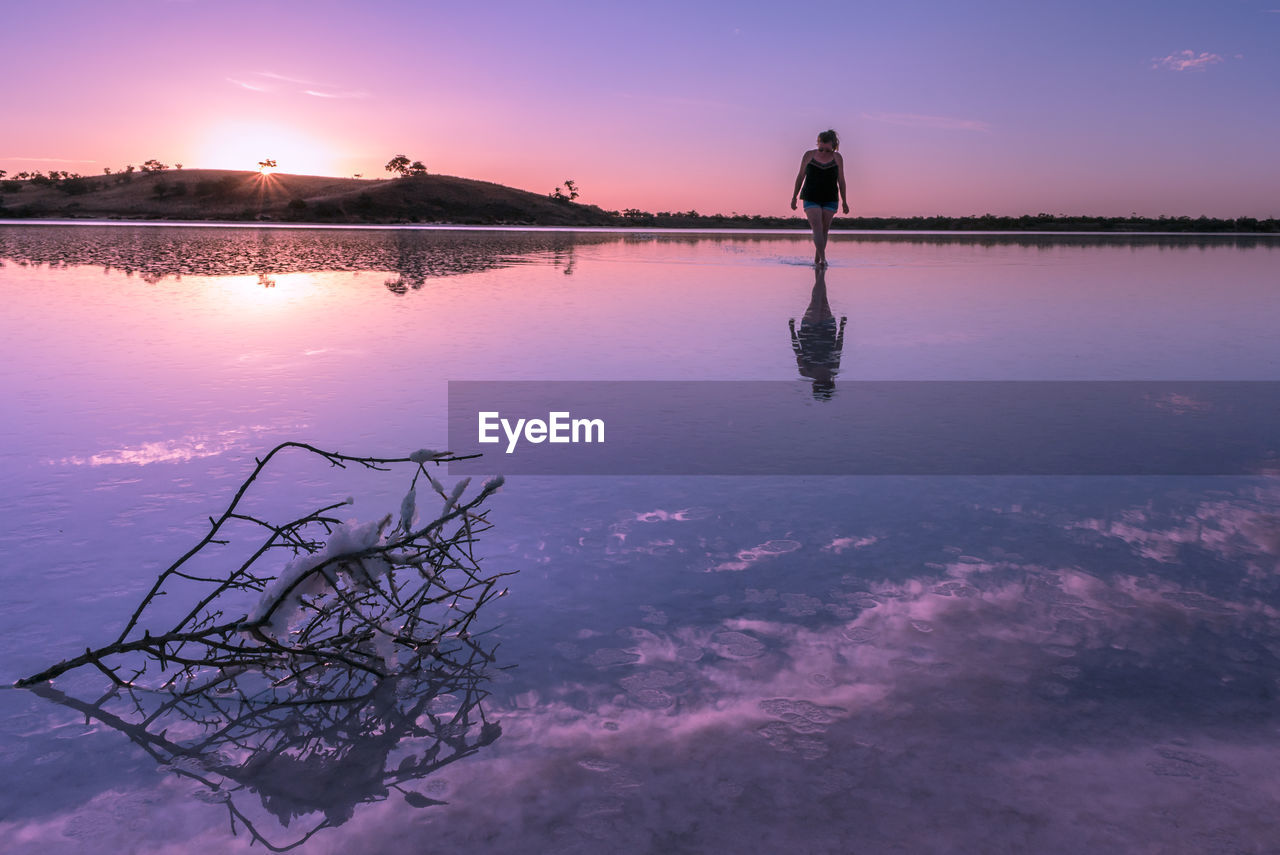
154,165
399,165
568,192
417,168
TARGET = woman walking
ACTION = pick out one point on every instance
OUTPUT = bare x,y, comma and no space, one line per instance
822,177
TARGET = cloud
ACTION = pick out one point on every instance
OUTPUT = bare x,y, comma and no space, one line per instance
319,94
970,699
270,81
915,120
250,86
1242,531
170,451
178,450
271,75
1187,60
992,687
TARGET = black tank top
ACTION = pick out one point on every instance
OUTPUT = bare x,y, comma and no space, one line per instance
820,182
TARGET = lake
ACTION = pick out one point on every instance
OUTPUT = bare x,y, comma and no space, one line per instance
799,661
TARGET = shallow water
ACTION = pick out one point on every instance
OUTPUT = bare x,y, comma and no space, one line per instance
684,664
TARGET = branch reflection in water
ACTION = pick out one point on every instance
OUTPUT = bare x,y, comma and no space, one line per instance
312,748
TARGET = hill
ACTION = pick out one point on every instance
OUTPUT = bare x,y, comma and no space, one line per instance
220,194
227,195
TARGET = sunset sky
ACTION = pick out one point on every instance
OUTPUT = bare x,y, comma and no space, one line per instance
1164,107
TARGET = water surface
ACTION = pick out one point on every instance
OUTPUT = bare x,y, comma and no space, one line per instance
684,664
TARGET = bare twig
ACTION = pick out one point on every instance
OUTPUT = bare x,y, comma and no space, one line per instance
373,598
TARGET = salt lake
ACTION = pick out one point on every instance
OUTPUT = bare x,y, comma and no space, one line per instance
792,662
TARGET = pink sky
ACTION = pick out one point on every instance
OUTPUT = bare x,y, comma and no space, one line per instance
942,110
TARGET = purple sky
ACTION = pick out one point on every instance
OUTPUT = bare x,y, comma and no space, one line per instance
943,108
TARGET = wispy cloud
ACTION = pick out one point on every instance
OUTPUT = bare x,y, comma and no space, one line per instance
167,451
284,78
319,94
177,450
1187,60
252,87
915,120
270,81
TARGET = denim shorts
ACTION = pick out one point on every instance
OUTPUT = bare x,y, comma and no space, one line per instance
826,206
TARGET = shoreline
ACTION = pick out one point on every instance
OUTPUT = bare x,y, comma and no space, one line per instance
798,231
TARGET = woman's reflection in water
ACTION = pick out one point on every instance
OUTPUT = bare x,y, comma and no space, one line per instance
818,344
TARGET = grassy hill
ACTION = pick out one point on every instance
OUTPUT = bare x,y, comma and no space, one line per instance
220,194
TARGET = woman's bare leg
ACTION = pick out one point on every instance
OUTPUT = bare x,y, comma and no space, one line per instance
827,217
816,217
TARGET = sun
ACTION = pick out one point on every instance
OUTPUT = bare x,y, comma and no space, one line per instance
265,147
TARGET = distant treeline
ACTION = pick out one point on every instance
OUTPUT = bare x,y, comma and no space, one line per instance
985,222
221,195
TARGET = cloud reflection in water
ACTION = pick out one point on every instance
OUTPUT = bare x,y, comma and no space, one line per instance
996,705
985,702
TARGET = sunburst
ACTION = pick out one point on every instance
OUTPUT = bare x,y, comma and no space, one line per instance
247,145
